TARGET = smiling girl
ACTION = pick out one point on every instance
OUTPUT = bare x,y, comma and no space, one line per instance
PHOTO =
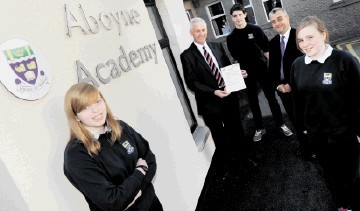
326,87
106,159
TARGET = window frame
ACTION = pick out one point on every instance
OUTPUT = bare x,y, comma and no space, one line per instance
267,14
165,44
189,14
211,18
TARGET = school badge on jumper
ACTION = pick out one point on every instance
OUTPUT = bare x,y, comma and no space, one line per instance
24,71
327,78
250,36
128,147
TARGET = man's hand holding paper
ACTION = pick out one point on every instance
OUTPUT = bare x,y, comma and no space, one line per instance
233,77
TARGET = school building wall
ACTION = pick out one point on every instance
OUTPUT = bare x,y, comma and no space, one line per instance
33,133
340,17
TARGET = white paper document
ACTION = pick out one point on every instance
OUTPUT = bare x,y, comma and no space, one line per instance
233,78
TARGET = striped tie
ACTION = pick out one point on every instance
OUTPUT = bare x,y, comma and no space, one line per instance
214,70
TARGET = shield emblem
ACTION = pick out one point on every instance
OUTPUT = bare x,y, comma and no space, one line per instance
24,70
23,62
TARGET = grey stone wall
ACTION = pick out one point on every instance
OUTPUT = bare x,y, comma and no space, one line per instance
342,19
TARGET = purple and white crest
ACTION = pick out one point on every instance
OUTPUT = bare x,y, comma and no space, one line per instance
27,74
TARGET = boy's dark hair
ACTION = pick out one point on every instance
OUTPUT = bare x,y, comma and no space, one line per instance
237,7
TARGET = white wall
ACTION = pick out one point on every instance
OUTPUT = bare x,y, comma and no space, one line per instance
177,28
33,134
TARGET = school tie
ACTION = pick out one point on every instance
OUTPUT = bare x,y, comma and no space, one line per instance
214,70
282,46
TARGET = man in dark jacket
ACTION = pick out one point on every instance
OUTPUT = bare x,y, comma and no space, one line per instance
282,53
280,60
220,109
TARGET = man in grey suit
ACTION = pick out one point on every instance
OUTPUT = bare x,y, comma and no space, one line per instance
220,109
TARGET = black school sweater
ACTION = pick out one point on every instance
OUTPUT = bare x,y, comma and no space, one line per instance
327,96
247,46
109,180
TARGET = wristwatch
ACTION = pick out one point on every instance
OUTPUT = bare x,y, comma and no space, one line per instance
145,168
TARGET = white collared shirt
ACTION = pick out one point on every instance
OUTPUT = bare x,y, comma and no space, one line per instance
200,47
106,129
322,59
286,35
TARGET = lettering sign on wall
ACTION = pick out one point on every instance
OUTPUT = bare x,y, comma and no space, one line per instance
90,24
24,70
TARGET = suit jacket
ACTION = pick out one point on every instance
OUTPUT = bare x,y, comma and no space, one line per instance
291,53
200,80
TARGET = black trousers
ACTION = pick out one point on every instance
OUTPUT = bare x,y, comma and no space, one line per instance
287,101
226,126
339,157
228,135
252,94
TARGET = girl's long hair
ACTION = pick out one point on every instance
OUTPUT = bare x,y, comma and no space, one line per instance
77,98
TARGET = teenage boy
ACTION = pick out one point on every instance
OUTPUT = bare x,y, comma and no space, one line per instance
248,45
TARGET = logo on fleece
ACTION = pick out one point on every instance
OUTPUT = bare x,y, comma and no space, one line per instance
128,147
327,78
250,36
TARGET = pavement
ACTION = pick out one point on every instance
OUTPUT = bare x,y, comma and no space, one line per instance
278,180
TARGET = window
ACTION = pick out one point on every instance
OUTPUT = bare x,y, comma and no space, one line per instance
218,20
269,5
250,18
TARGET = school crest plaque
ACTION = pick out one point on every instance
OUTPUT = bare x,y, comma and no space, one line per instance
24,70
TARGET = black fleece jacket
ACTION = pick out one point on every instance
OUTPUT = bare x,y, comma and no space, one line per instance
327,96
109,180
248,46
